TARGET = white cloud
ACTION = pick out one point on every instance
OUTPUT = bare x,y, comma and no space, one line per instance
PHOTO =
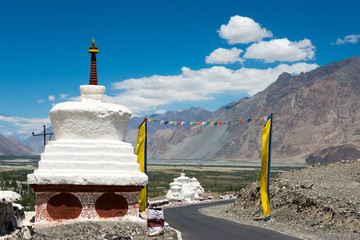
63,95
7,134
148,93
281,50
224,56
51,98
353,38
40,101
160,111
243,30
25,125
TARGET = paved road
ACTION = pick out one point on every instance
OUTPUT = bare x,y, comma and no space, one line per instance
195,226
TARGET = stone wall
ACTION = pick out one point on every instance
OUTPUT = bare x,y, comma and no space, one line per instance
8,221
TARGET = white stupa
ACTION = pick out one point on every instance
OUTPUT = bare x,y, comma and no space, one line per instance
196,186
88,171
185,189
174,194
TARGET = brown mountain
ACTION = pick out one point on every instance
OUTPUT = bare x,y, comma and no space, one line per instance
11,146
334,154
312,112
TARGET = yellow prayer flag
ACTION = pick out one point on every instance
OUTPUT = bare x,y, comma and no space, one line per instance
141,159
265,169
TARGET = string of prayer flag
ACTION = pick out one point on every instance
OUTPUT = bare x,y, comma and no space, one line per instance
211,124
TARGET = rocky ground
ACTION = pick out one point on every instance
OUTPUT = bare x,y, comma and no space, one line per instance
100,231
318,202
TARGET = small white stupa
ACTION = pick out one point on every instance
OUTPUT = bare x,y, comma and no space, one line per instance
196,186
174,194
88,172
185,189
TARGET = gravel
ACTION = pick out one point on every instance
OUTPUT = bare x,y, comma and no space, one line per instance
317,202
100,230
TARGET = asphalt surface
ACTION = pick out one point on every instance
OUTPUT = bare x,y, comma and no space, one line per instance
195,226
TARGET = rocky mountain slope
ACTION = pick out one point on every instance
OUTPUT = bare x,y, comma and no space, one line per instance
333,154
11,146
317,202
312,111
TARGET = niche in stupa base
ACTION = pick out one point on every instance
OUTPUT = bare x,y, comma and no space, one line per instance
52,207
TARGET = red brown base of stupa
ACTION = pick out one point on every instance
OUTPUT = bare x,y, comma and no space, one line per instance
61,203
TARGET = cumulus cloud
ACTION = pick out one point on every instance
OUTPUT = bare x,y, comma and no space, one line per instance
353,38
281,50
243,30
51,98
63,95
25,125
148,93
40,101
224,56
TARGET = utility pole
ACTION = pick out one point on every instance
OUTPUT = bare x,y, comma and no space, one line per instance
43,134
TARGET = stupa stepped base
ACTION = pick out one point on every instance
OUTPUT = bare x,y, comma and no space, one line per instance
67,203
103,165
87,177
88,162
86,146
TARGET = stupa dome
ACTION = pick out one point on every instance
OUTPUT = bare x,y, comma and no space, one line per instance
91,118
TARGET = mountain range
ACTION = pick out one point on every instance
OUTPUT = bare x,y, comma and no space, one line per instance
11,146
315,114
312,112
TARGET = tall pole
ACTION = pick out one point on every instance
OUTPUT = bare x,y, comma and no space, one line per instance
44,135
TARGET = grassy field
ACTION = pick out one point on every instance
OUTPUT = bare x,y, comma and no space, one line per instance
217,179
214,179
18,162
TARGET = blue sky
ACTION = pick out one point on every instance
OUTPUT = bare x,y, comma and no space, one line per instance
161,55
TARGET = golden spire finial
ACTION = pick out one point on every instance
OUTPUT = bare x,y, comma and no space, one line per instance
93,49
